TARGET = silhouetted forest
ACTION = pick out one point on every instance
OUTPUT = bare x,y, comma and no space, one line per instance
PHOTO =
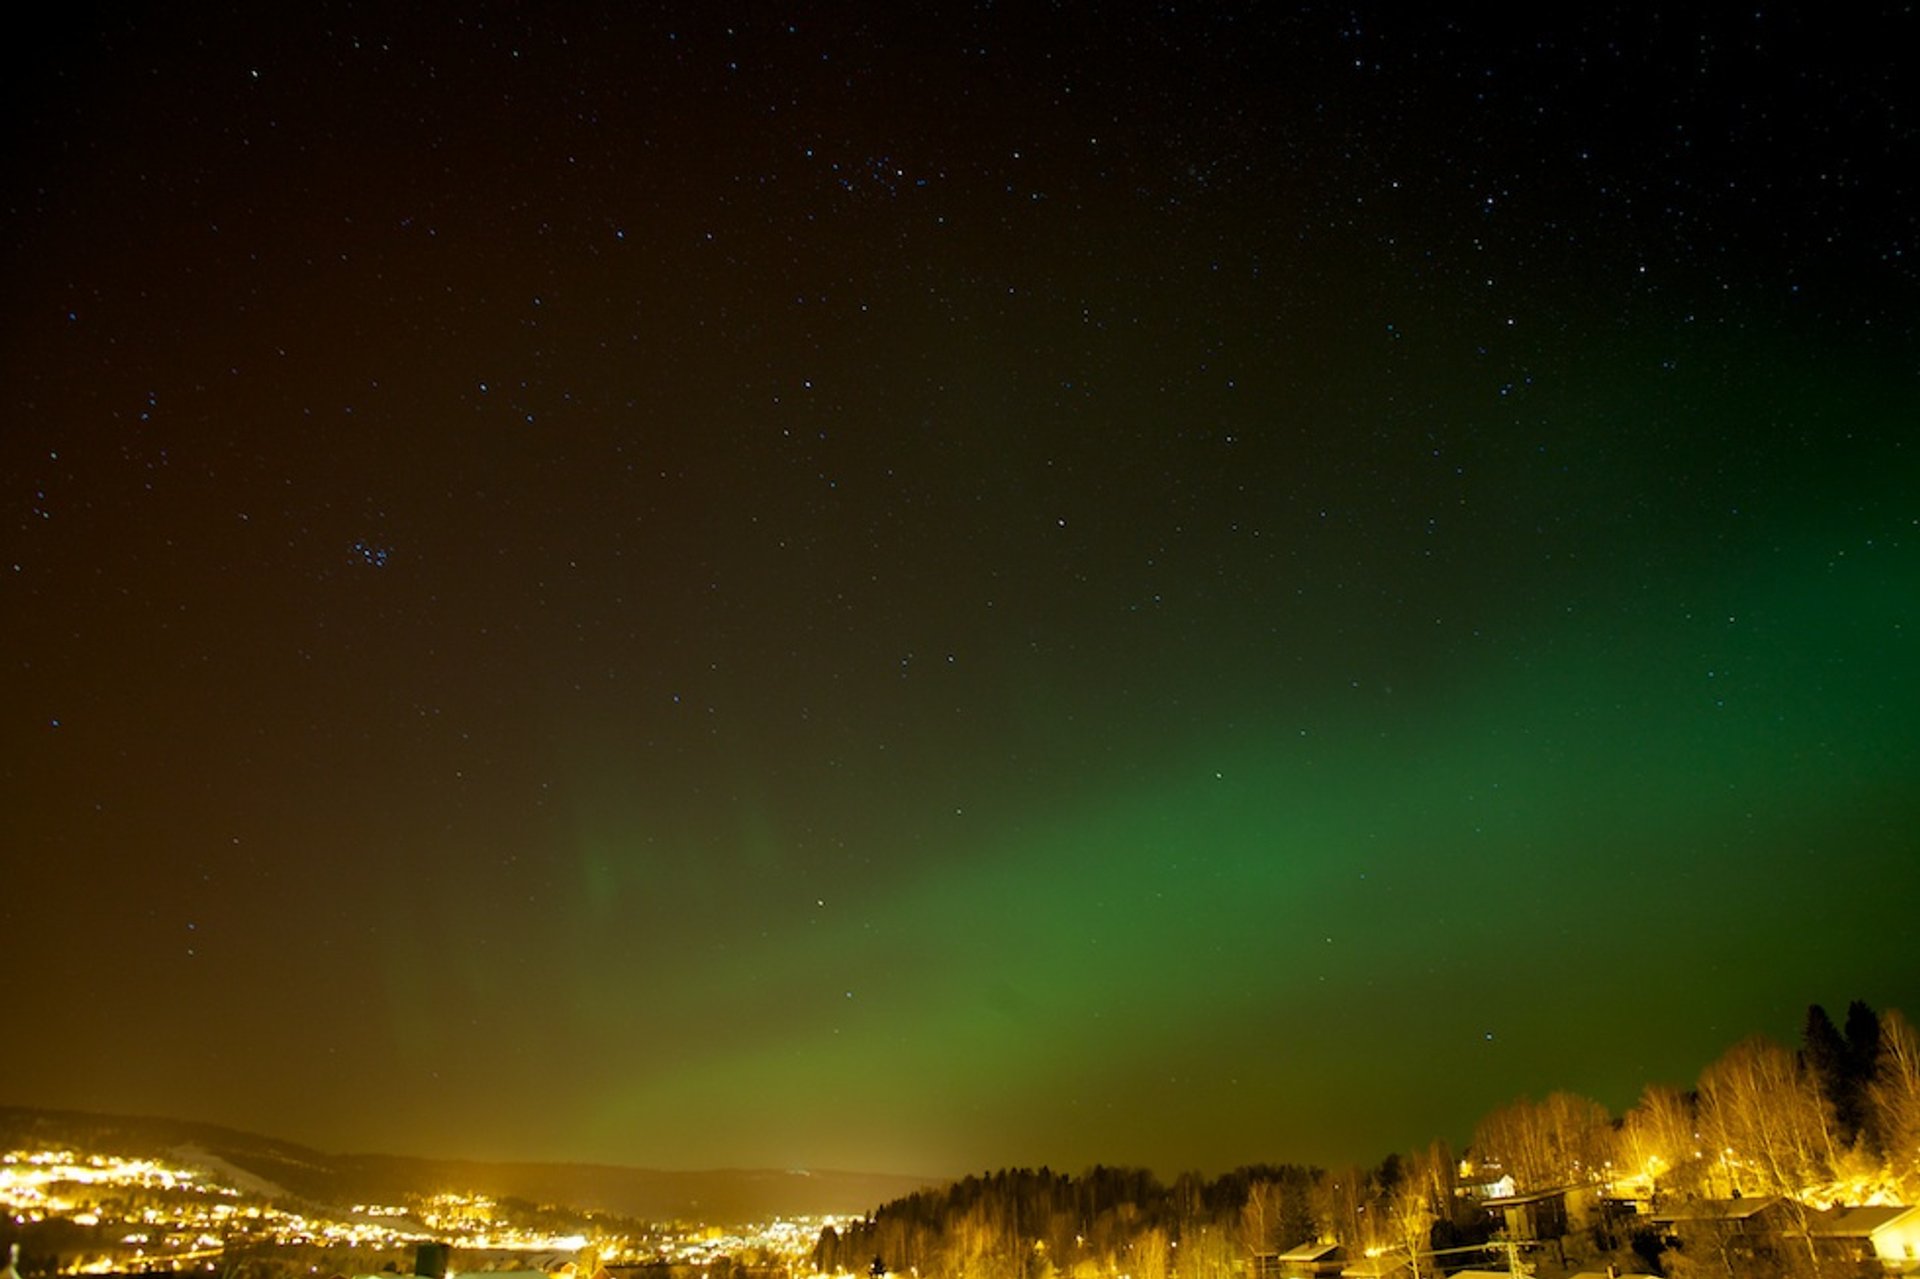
1835,1123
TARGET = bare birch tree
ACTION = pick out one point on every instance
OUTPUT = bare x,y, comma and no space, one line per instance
1894,1097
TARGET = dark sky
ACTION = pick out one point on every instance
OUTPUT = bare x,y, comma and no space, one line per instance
927,587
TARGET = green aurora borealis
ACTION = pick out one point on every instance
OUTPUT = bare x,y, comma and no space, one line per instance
1144,595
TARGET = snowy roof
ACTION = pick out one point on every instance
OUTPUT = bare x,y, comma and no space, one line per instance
1858,1222
1311,1252
1532,1197
1375,1267
1718,1209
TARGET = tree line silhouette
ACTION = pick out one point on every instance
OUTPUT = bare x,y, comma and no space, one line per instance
1837,1122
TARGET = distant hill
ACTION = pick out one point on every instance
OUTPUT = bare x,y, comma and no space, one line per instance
720,1195
283,1169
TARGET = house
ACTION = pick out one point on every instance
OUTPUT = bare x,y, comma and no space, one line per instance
1484,1183
1757,1215
1889,1233
1388,1265
1525,1218
1311,1261
1752,1229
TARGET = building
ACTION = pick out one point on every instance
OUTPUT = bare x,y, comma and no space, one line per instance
1889,1234
1312,1261
1484,1183
1754,1229
1530,1218
1388,1265
1758,1215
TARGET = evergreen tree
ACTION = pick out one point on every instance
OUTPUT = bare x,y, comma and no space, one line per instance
1862,1063
1823,1058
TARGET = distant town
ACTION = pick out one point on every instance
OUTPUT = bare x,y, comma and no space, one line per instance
100,1212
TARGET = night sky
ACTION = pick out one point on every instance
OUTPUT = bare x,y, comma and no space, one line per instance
929,587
